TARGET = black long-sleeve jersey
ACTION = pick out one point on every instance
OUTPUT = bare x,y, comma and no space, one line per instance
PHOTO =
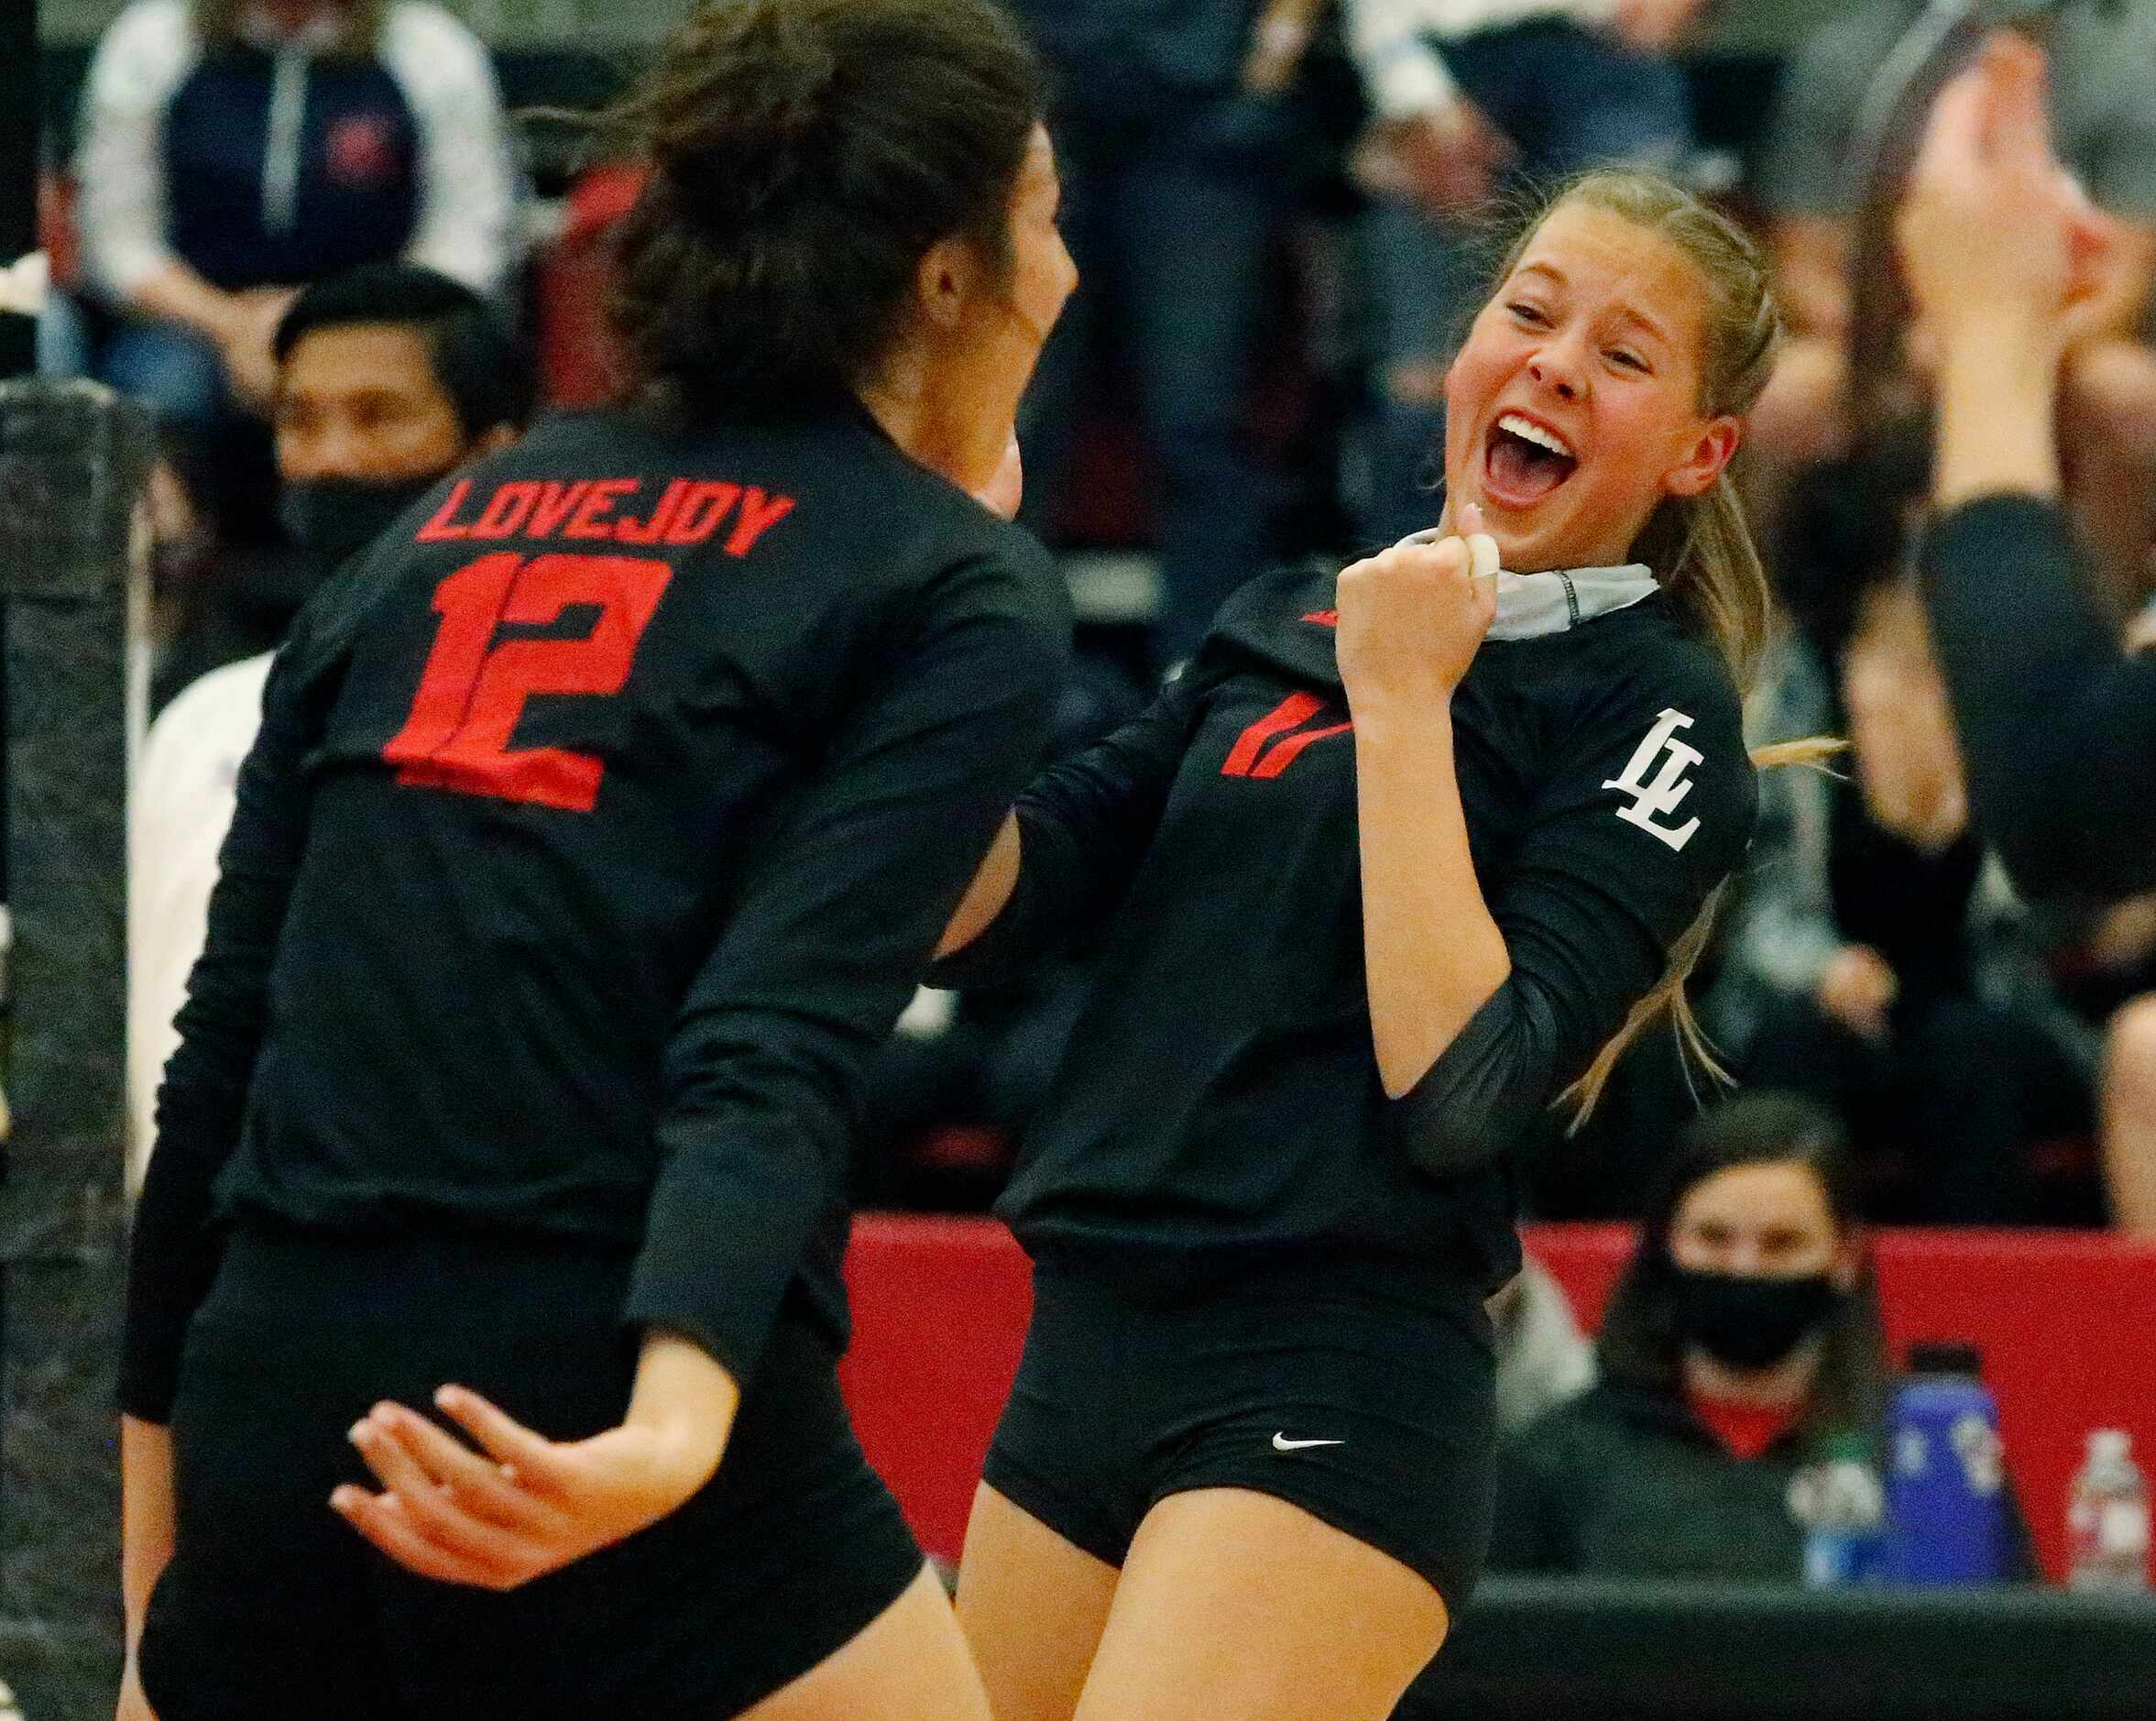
602,818
1222,1094
2057,727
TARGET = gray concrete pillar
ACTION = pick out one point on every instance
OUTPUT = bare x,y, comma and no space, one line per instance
73,462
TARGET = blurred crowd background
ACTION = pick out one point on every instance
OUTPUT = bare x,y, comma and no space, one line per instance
1283,212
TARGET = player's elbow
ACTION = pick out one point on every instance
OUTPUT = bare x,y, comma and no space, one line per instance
1483,1091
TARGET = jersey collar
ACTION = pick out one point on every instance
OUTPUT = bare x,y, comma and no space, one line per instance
1530,604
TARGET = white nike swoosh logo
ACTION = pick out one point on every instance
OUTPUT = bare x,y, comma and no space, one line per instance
1280,1443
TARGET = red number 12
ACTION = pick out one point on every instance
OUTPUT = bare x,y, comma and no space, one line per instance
473,691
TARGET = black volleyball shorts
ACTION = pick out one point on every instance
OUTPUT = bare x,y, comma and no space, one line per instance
273,1606
1319,1385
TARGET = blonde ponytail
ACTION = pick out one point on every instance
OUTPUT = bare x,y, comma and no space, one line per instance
1700,547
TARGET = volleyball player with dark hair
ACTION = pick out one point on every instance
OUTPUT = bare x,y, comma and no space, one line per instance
1370,891
603,813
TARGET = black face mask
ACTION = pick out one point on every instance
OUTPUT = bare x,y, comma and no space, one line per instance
334,519
1748,1321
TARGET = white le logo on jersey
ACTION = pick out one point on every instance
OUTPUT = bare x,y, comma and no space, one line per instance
1667,792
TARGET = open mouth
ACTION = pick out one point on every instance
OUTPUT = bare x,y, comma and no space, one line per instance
1523,462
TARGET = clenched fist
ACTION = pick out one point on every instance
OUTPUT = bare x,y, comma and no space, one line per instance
1412,618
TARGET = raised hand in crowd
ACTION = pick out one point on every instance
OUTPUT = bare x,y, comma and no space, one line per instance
1987,172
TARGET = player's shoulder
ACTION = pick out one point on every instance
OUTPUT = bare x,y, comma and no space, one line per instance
973,562
913,532
1648,656
1287,620
1646,698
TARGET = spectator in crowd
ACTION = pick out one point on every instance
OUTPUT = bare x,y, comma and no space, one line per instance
1178,134
1467,95
62,347
2058,724
217,594
1745,1336
234,150
198,617
2104,111
1880,963
387,378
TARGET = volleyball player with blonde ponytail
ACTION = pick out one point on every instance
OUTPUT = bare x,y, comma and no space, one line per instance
1373,883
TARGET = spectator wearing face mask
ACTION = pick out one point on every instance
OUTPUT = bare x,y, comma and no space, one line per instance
234,151
1745,1336
389,378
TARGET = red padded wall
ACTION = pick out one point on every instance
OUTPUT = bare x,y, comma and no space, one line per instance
2066,1321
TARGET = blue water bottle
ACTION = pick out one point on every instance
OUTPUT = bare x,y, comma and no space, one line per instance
1946,1502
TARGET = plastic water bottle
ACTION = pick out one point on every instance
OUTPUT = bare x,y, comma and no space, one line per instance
2107,1523
1946,1518
1842,1507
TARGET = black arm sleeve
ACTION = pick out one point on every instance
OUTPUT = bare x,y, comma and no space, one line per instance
1602,885
174,1251
2058,730
1083,828
821,954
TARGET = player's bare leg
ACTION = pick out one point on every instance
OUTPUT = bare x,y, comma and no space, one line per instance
1240,1607
1032,1607
909,1664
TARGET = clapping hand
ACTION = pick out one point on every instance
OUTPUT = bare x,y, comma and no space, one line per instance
519,1506
1991,224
